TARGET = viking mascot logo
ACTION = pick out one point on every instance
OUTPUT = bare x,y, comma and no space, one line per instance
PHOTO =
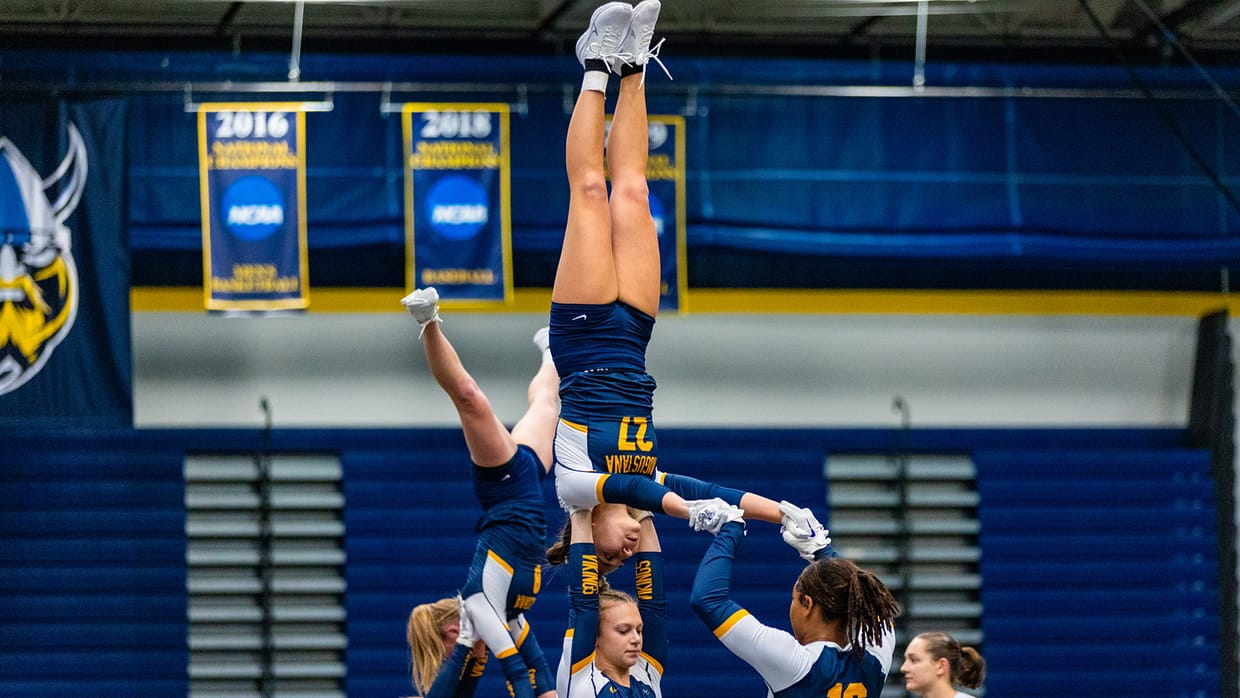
38,277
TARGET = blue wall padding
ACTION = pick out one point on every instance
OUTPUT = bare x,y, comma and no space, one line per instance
1099,566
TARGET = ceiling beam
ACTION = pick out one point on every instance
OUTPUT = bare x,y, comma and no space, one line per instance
1187,13
546,23
226,19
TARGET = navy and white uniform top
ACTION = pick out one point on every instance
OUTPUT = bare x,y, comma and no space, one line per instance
606,402
790,669
578,676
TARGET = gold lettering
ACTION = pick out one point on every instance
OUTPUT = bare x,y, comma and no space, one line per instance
445,277
637,443
455,155
255,278
644,580
642,443
659,167
251,155
589,575
630,464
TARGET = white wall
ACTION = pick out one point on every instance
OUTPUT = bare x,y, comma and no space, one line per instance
360,370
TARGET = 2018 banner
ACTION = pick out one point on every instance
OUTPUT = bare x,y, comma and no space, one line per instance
665,177
457,201
64,286
252,168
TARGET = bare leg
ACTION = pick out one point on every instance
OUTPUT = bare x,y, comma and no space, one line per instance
536,428
635,244
587,270
490,444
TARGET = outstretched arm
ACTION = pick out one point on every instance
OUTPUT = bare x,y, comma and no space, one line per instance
775,654
486,593
755,505
587,489
582,603
651,599
459,675
532,654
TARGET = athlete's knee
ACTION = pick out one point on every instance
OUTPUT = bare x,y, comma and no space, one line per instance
468,397
591,187
631,190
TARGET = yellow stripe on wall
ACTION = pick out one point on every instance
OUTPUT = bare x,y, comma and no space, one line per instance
766,301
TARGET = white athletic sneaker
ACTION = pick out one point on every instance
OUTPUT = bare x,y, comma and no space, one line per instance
423,305
601,41
641,30
637,40
541,338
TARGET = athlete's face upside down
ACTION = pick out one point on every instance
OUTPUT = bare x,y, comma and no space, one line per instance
616,535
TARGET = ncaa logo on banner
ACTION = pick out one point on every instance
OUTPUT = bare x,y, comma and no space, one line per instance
458,207
253,208
38,276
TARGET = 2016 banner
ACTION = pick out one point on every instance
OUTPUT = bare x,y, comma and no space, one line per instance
64,290
665,177
252,167
458,223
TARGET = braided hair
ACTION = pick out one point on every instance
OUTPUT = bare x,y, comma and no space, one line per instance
842,590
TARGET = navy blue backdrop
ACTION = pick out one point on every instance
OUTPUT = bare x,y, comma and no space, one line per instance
1090,190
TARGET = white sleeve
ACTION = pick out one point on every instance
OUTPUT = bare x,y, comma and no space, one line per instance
564,671
774,654
486,609
886,648
577,488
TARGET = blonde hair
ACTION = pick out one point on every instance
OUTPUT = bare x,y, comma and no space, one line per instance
424,633
608,597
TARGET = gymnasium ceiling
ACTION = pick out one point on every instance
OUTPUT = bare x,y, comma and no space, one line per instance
1020,30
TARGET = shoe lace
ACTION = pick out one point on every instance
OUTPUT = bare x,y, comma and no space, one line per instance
610,38
653,55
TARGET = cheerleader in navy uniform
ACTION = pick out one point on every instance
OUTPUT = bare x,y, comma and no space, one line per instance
842,617
508,468
615,646
606,295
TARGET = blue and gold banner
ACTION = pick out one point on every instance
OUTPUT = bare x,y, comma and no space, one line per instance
64,265
457,201
665,176
252,166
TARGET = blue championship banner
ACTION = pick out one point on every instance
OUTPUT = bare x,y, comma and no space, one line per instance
665,177
457,201
64,265
252,168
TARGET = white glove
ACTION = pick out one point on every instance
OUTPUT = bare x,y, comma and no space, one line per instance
423,305
802,531
466,637
711,514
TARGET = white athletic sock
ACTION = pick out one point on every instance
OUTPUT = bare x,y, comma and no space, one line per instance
594,80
